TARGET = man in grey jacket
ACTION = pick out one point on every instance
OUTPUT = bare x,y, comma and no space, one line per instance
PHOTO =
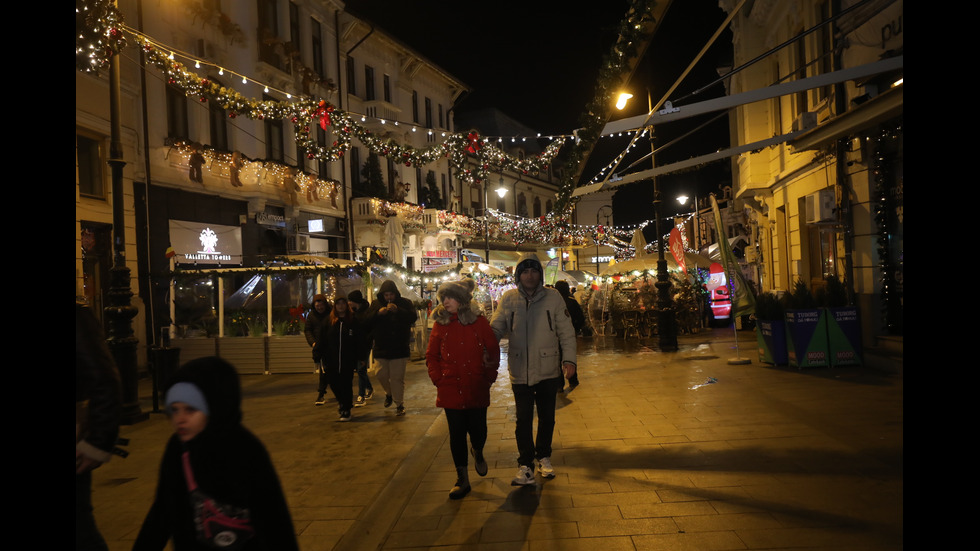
541,350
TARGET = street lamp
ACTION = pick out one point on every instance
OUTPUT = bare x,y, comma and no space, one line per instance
697,219
501,192
599,210
666,319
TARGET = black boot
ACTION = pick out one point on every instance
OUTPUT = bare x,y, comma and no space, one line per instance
480,462
462,486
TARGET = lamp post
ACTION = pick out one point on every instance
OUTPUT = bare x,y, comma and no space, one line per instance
666,318
501,192
120,310
697,219
597,212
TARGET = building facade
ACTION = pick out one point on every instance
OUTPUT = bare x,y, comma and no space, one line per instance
827,201
216,173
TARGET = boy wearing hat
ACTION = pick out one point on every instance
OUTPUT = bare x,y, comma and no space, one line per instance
541,351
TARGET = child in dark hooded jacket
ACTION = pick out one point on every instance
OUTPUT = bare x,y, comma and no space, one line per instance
228,463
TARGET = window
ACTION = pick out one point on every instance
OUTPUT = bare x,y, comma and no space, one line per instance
799,51
387,88
268,30
537,207
218,124
428,113
415,107
321,137
355,167
369,83
351,80
441,123
447,200
274,138
88,164
294,35
826,47
316,37
176,113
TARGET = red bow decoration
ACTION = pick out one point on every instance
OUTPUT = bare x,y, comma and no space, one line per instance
323,112
474,139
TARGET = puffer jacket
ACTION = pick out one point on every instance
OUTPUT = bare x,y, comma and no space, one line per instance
540,334
455,359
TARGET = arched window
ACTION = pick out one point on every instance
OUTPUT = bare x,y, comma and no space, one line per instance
521,205
537,207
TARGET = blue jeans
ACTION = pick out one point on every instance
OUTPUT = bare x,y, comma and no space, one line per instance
526,397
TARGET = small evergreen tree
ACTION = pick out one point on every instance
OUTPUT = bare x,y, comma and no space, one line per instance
373,183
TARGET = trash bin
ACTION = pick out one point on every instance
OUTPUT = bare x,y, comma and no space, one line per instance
163,362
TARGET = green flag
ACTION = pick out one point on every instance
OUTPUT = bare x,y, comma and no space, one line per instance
743,303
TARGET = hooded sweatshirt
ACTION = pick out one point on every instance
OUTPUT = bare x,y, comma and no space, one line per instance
229,463
391,331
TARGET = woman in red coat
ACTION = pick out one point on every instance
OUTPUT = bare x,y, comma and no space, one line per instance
462,358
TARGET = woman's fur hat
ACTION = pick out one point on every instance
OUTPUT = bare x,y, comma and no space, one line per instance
462,291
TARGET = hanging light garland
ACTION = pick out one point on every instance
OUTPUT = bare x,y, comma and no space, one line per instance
474,157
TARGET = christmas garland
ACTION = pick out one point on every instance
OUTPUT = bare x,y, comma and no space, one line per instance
102,37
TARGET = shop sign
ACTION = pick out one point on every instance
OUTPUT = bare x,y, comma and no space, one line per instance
274,220
195,242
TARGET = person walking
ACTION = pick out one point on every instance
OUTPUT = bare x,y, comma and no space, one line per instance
342,342
98,408
578,320
390,320
365,390
217,486
541,349
462,359
316,319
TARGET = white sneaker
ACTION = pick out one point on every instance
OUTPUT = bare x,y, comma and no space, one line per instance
361,402
525,477
545,468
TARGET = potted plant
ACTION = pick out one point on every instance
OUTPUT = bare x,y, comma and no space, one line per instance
770,329
843,325
806,329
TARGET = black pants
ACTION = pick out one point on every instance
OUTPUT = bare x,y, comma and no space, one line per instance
87,536
542,396
461,423
340,380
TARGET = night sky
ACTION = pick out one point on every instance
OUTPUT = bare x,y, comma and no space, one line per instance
538,62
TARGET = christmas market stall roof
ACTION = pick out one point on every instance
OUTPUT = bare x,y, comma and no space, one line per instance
469,268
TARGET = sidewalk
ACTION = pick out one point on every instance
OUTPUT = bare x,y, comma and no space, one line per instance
653,451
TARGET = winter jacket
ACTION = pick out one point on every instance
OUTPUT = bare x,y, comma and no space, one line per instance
391,331
343,343
315,322
540,334
98,391
462,359
229,464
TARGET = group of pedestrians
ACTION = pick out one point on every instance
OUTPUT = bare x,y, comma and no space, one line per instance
462,359
342,335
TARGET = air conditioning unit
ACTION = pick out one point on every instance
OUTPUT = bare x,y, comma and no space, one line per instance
805,121
298,243
820,206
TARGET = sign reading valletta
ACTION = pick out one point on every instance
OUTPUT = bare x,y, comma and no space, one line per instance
206,243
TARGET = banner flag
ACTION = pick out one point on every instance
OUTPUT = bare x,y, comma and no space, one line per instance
743,303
